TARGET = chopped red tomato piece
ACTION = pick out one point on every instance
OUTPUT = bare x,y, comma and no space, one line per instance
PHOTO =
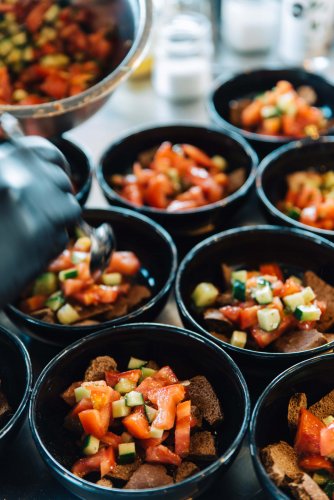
290,286
182,429
307,441
112,439
103,461
137,424
197,155
231,313
84,404
150,384
327,441
272,269
166,399
33,303
166,374
96,422
263,338
248,317
62,262
316,463
113,377
162,455
124,263
72,286
151,442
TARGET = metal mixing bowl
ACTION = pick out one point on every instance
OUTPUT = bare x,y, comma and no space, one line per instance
133,18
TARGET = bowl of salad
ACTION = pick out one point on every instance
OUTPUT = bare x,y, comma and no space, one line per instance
65,302
295,185
62,60
264,293
270,107
190,179
15,386
166,425
291,432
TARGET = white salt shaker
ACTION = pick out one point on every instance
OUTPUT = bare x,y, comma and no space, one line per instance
183,58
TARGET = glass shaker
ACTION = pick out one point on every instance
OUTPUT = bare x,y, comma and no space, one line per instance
183,57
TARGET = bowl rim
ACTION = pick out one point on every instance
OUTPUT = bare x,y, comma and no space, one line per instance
265,165
216,239
86,485
103,87
165,289
141,130
23,352
257,464
253,136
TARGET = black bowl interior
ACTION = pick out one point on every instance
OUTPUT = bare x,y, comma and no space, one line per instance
269,420
120,156
295,251
298,156
164,344
251,83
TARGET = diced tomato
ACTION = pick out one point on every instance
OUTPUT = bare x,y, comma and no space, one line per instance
263,338
166,399
100,48
305,325
178,205
5,86
248,317
327,441
277,304
33,303
316,463
150,384
102,395
84,272
103,461
166,374
62,262
107,294
271,126
34,19
158,190
113,377
197,155
290,286
133,194
231,313
151,442
307,441
55,86
124,263
84,404
72,286
162,455
96,422
182,429
272,269
251,115
137,424
112,439
277,288
89,296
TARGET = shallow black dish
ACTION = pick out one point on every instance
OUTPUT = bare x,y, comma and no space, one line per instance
251,83
16,381
270,180
294,249
156,251
166,345
121,155
269,418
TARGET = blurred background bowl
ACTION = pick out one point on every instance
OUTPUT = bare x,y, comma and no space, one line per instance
252,83
165,345
16,381
133,19
271,176
157,254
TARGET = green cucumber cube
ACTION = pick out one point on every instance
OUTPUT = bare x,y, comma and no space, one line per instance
239,290
308,294
294,300
126,453
67,315
111,279
269,319
328,420
45,284
135,363
204,295
263,295
55,301
151,413
146,372
78,257
80,393
119,409
91,445
125,385
239,276
155,433
307,313
68,274
238,339
134,398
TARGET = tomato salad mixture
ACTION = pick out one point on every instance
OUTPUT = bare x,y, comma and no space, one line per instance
305,469
142,427
282,111
50,50
261,308
68,294
177,177
310,198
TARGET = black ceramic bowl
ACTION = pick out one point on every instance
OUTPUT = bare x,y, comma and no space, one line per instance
295,250
121,155
271,184
166,345
81,167
16,381
156,251
251,83
269,419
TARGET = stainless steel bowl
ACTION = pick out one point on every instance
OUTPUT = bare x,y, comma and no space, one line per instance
134,19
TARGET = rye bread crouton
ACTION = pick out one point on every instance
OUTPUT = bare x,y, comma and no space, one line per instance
104,482
296,403
215,320
196,417
236,179
202,395
303,487
324,292
329,337
124,472
68,395
202,446
5,408
300,340
149,476
280,462
186,469
324,407
98,366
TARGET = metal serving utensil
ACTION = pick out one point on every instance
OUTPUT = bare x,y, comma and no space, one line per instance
102,238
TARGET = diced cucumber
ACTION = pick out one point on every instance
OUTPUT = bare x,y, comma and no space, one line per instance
68,274
28,54
307,313
127,438
126,453
111,279
239,276
151,413
91,445
308,294
119,409
219,162
19,38
78,257
134,398
15,56
270,111
54,61
67,315
263,295
45,284
19,94
328,420
296,279
239,290
320,478
294,213
147,372
80,393
268,319
124,385
328,179
135,363
238,339
155,433
294,300
55,301
52,13
204,294
5,47
263,282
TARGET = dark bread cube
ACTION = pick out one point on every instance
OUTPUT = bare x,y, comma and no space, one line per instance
296,403
98,366
104,482
300,340
202,446
124,472
202,395
324,407
324,292
68,395
186,469
280,462
149,476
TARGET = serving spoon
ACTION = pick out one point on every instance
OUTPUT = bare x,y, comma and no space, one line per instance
102,238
